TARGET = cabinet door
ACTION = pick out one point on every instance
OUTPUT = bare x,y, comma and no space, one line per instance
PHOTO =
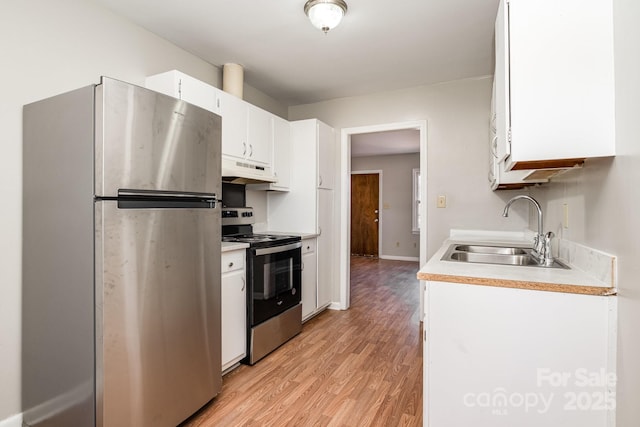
199,93
309,284
233,314
502,343
326,156
259,135
234,126
325,247
500,145
281,153
184,87
561,77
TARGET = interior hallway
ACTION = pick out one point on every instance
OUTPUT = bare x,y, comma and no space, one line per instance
360,367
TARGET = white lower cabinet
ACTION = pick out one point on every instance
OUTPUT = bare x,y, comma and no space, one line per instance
510,357
233,308
309,278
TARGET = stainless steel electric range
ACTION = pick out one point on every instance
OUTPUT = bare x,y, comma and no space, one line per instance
274,280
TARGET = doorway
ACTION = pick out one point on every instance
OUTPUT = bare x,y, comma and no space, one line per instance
365,209
345,198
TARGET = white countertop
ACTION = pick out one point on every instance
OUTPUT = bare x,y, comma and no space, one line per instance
535,278
233,246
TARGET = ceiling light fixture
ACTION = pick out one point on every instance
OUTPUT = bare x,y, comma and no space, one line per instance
325,14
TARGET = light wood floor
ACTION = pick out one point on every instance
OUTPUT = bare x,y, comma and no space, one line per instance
359,367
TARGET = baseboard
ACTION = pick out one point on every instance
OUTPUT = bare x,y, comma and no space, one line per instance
399,258
14,421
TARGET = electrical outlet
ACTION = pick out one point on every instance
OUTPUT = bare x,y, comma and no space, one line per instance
442,202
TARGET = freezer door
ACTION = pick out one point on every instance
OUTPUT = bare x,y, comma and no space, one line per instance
149,141
158,353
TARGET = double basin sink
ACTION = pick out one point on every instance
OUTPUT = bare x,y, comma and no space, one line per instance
490,254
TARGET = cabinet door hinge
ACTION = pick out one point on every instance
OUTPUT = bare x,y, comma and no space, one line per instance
180,89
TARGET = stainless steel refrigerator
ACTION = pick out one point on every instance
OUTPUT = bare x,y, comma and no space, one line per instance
121,258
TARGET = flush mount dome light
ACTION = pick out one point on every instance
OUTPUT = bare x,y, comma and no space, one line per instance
325,14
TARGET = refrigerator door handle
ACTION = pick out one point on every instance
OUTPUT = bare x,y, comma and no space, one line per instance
142,194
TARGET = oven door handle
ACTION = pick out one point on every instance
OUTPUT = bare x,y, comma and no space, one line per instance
277,249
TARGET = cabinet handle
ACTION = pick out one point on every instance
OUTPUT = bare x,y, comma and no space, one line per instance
244,148
302,269
250,150
308,247
494,146
320,179
244,283
230,264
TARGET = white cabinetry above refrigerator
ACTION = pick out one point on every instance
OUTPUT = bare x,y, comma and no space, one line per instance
247,131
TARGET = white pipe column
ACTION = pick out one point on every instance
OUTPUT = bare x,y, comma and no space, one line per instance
233,79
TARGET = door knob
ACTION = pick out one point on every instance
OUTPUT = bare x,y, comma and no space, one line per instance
375,220
376,211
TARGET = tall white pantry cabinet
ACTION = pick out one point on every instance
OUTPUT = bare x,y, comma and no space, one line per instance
308,207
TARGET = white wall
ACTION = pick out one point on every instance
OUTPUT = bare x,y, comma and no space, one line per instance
604,206
49,47
396,220
458,127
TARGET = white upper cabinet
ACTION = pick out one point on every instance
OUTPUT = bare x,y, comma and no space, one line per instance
326,156
499,177
234,126
554,81
281,154
259,135
184,87
247,134
247,131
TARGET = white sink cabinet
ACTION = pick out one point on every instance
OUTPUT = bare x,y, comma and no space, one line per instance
511,357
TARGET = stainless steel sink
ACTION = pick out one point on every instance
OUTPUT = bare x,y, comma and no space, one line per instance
498,250
488,254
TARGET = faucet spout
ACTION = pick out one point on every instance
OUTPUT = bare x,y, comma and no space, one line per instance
535,203
541,243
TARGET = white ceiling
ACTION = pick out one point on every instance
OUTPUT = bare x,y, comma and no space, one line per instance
385,143
380,45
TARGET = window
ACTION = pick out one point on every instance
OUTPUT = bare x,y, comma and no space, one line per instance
416,201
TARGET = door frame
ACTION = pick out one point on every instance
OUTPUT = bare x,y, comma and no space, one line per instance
345,198
369,172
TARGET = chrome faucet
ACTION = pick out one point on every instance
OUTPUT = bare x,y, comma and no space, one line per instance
541,242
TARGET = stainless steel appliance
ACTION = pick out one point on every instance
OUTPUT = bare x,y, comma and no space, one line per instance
121,258
274,282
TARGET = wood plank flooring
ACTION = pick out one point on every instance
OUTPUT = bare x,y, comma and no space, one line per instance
359,367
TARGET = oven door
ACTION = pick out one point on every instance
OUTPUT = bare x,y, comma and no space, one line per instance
275,279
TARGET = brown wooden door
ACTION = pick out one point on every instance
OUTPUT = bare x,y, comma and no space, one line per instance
364,214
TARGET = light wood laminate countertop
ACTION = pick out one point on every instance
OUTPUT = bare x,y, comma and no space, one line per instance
571,280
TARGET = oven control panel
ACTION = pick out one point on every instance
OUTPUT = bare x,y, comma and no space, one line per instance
237,216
